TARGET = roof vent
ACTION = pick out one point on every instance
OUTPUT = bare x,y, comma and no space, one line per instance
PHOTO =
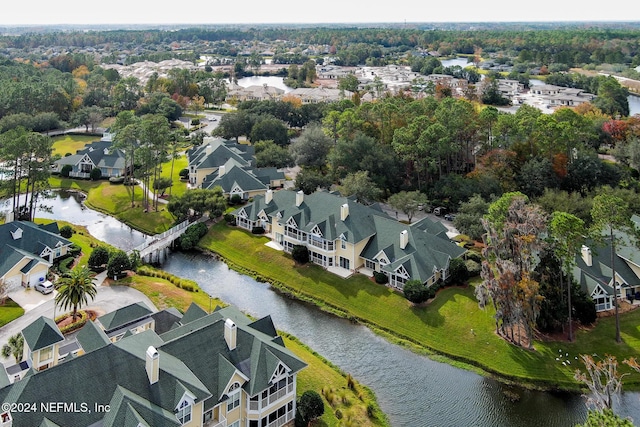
17,234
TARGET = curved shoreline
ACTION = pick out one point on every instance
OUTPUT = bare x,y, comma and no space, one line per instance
394,336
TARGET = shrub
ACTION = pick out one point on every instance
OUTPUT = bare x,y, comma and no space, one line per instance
184,173
235,199
230,219
118,264
458,272
474,256
415,291
98,259
192,236
310,407
66,231
472,267
95,174
380,278
300,254
66,170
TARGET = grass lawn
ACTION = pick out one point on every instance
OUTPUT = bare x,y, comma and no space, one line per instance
69,144
352,402
179,187
9,311
115,199
452,324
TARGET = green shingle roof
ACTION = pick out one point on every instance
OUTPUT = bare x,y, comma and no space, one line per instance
124,316
91,337
42,333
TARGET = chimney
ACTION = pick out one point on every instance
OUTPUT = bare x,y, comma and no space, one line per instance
221,170
268,197
208,149
299,197
344,211
152,364
586,255
404,239
230,334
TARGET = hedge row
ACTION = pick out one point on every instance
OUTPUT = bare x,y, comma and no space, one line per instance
186,284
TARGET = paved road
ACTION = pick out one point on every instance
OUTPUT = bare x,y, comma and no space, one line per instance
109,298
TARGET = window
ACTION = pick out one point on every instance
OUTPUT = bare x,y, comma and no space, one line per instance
234,397
46,353
236,424
184,412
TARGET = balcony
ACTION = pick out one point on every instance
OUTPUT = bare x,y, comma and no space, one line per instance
256,405
222,422
282,420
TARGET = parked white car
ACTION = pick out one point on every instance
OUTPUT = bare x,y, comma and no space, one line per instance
45,287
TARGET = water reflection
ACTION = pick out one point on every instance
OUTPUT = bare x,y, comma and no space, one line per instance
68,206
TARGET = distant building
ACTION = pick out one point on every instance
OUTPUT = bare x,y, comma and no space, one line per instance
231,166
99,154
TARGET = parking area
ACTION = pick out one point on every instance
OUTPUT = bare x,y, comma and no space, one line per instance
30,298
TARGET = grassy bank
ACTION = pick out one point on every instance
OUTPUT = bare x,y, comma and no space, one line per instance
451,325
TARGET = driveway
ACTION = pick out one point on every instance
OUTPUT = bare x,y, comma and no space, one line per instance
108,298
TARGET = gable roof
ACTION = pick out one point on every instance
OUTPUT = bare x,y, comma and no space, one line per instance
124,316
19,239
215,363
600,273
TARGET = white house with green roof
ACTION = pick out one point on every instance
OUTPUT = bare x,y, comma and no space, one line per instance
218,369
27,251
345,236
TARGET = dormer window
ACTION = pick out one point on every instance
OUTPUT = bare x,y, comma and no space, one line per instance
234,396
184,409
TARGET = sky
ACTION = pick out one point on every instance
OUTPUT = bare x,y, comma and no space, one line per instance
83,12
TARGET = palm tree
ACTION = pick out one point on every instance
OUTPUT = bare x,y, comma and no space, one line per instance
75,289
14,347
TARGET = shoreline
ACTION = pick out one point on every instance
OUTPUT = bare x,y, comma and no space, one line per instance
393,336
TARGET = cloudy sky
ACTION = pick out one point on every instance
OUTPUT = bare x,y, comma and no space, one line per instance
39,12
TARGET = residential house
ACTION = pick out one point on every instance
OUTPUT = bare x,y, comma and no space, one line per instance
253,93
213,153
345,236
230,166
215,370
319,94
99,154
561,96
594,273
27,251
